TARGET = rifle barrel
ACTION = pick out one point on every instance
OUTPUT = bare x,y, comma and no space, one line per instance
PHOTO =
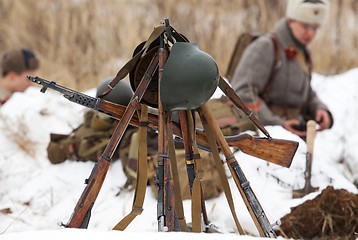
74,96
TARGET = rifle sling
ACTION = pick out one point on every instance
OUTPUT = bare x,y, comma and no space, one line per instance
141,183
122,73
275,66
196,206
103,142
221,171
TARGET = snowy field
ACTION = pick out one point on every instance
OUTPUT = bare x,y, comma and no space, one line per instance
39,195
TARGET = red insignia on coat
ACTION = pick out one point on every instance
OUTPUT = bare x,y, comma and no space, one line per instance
255,106
291,52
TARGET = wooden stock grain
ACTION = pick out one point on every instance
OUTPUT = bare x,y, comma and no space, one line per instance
277,151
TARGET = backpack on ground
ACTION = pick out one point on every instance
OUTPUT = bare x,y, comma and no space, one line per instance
88,141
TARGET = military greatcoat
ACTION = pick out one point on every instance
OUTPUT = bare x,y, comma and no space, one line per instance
290,91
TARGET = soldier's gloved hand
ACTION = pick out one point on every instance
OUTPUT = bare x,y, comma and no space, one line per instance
323,119
290,126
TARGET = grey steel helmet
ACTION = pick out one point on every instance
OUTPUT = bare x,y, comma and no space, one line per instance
120,94
190,77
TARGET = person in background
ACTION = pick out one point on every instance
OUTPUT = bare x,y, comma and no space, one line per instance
290,99
16,64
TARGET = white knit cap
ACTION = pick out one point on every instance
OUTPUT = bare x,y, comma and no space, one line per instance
308,11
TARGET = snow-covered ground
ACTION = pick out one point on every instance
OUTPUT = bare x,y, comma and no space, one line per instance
40,195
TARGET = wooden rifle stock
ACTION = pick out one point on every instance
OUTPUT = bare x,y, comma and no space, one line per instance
81,215
277,151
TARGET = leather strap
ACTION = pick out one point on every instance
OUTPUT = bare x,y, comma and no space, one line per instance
141,183
196,208
276,63
221,170
122,73
102,143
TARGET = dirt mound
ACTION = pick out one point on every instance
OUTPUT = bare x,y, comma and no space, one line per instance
332,214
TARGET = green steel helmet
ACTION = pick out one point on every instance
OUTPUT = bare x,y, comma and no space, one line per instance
120,94
190,78
150,96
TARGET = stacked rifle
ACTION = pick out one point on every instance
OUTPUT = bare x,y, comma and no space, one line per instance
169,207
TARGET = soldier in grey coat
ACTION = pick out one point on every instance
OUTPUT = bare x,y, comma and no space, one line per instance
290,97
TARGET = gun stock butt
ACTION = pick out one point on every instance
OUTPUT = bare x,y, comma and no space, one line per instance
277,151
